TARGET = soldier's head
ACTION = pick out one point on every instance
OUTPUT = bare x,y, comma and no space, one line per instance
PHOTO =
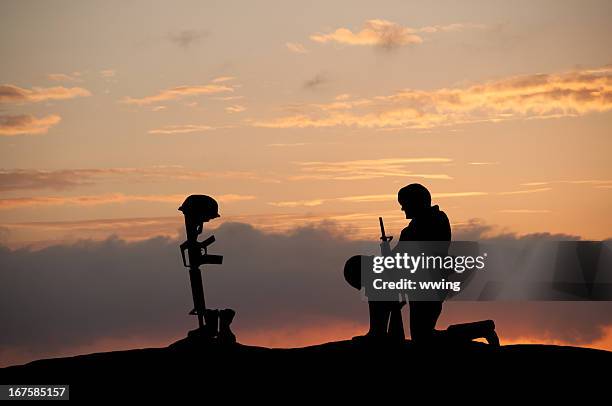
414,199
199,209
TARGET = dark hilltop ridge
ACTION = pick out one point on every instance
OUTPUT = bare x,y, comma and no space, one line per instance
189,365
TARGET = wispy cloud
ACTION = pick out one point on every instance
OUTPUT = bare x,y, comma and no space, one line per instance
296,47
449,27
21,179
222,79
299,203
384,34
27,124
64,179
316,82
92,200
236,108
178,92
63,77
108,73
367,199
573,93
228,98
524,211
294,144
387,197
380,33
593,182
181,129
187,38
527,191
368,169
16,94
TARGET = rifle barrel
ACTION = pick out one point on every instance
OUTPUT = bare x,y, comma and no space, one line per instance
383,236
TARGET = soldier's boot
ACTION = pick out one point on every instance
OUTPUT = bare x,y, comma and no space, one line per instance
396,324
379,320
478,329
492,339
211,316
226,336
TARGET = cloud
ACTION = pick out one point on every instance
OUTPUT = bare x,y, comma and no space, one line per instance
276,282
27,124
299,203
178,92
382,33
386,34
368,169
64,179
181,129
527,191
119,276
20,179
108,73
537,96
316,82
62,77
597,183
387,197
524,211
228,98
296,47
236,108
477,229
448,28
187,38
43,234
92,200
16,94
367,199
222,79
294,144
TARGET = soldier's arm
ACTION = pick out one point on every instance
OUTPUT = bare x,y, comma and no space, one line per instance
404,236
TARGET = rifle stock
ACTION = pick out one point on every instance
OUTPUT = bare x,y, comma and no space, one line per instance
396,325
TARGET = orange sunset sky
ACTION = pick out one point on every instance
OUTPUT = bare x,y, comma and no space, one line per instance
298,113
303,111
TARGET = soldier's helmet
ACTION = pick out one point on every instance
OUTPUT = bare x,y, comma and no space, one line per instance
415,193
201,208
352,271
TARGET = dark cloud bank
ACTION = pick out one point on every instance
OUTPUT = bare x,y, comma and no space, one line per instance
67,296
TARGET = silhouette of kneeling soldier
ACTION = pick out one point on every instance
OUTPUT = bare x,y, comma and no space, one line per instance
428,223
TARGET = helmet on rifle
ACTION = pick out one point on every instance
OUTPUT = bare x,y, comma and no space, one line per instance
200,208
352,270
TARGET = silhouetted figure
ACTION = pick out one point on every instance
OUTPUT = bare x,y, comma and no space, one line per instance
199,209
428,223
